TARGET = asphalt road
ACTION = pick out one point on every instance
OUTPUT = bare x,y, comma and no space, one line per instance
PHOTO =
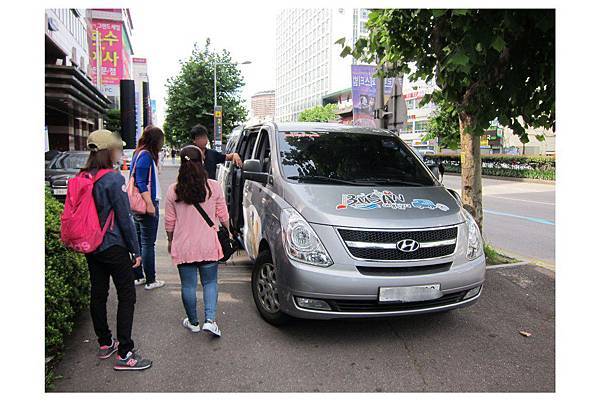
473,349
519,217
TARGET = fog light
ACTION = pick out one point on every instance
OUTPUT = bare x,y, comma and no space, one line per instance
472,292
309,303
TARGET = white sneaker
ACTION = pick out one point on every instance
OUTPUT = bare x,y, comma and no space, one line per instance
212,327
156,284
191,327
140,281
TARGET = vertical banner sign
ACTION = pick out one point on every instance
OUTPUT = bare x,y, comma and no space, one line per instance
364,90
218,130
109,35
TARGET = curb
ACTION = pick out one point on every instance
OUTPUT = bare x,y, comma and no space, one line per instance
515,264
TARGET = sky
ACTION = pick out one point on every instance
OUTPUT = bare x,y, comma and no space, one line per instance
164,35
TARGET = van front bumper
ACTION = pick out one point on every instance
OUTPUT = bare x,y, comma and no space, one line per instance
350,294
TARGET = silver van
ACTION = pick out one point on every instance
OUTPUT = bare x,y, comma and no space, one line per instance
347,222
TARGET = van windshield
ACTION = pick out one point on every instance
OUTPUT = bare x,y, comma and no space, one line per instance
342,158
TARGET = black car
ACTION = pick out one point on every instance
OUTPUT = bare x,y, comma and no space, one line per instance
63,167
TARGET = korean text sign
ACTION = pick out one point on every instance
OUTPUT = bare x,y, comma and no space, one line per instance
110,36
364,90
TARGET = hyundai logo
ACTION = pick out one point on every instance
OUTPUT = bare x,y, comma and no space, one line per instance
408,245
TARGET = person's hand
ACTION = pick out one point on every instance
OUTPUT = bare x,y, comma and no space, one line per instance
137,262
169,247
237,160
150,209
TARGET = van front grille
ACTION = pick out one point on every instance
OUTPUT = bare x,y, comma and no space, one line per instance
344,305
384,245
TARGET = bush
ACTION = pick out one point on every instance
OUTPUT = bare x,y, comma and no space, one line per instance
67,283
538,167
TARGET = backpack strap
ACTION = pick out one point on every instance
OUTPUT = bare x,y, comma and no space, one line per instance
204,215
135,165
110,220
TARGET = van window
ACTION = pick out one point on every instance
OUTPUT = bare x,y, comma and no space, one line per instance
363,158
264,152
248,145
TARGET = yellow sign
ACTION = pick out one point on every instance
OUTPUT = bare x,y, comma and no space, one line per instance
218,113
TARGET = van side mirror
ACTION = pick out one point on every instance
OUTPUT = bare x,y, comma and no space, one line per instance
252,171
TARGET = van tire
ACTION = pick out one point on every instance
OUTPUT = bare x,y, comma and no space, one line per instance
264,271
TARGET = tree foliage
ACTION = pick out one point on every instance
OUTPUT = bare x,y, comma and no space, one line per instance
319,114
113,120
443,125
190,94
487,63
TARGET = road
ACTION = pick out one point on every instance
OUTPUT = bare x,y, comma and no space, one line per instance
519,217
473,349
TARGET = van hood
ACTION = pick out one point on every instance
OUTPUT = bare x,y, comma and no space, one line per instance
374,207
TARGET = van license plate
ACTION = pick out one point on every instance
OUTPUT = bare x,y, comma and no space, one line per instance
410,294
60,191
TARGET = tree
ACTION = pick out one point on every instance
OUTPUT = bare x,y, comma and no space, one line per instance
487,63
113,120
443,125
319,114
190,95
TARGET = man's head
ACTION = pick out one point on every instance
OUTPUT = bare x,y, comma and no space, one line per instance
199,135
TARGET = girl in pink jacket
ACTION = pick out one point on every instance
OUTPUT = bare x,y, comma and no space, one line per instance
193,244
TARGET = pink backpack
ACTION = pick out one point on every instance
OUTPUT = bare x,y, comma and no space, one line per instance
79,222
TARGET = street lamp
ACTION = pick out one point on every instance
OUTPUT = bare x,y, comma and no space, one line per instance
218,119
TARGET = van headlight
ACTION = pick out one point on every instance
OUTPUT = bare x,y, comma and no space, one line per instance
300,241
474,240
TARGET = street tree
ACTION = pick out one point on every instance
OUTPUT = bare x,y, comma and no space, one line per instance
113,120
443,125
487,63
319,114
190,95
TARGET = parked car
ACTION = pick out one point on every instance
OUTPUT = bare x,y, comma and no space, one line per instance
49,156
347,222
62,168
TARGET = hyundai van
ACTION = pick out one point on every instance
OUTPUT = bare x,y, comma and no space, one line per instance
347,222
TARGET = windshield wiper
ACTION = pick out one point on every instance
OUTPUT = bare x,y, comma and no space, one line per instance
376,180
321,178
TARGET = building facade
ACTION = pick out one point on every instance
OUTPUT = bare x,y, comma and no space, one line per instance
262,106
74,106
308,64
140,78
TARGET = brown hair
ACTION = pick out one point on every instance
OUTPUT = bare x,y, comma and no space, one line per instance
98,160
192,181
151,140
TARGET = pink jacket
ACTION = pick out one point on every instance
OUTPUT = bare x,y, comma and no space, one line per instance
193,239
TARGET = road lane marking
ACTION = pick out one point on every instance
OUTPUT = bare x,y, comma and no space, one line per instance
520,200
516,216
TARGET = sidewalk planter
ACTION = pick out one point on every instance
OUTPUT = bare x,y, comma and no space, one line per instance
67,284
536,167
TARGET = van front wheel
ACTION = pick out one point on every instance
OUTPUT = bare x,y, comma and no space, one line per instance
266,291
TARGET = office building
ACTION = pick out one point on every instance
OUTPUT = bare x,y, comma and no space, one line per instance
74,106
262,106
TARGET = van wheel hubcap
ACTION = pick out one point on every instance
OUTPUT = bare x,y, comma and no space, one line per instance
267,288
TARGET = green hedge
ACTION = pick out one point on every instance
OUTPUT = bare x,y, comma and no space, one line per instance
538,167
67,284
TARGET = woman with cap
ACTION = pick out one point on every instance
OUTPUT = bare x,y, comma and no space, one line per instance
144,166
115,256
193,244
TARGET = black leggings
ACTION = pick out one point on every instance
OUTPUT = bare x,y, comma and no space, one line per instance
113,262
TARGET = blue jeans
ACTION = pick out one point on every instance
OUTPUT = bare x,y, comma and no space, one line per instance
188,273
147,228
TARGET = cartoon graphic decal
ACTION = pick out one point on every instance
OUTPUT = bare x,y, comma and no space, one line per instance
374,200
427,204
386,199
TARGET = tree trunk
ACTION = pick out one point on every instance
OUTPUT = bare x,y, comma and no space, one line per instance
470,160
